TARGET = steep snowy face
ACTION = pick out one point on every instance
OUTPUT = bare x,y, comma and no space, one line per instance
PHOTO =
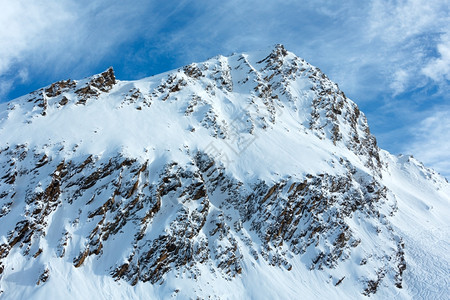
199,181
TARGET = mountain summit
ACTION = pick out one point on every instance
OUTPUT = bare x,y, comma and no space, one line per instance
247,176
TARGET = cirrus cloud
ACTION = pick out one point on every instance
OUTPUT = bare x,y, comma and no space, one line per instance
431,142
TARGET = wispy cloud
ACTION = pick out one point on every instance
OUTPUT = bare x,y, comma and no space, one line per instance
438,68
64,37
398,20
27,26
431,141
408,33
399,81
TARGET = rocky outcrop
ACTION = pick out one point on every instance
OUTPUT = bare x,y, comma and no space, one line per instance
96,85
291,217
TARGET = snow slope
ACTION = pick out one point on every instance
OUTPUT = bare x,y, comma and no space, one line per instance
250,176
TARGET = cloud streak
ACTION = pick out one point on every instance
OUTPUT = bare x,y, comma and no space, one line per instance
431,141
27,26
64,37
438,69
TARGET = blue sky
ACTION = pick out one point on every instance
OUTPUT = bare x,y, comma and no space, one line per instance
391,57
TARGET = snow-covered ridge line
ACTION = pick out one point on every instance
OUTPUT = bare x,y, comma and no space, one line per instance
237,96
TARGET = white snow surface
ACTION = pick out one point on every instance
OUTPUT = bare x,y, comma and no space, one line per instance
255,139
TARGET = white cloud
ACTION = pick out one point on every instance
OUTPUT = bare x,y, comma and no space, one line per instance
63,36
22,75
438,69
397,20
431,143
5,86
400,81
26,25
407,33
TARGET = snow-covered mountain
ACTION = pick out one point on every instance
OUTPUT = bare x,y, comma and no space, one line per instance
251,176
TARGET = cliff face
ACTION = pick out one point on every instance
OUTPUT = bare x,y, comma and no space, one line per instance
203,180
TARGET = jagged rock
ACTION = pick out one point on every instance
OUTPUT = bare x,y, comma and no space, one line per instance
59,87
98,84
43,277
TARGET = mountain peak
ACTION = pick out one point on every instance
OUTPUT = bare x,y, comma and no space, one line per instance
203,179
279,50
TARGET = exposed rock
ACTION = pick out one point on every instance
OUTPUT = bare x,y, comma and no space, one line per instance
59,87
